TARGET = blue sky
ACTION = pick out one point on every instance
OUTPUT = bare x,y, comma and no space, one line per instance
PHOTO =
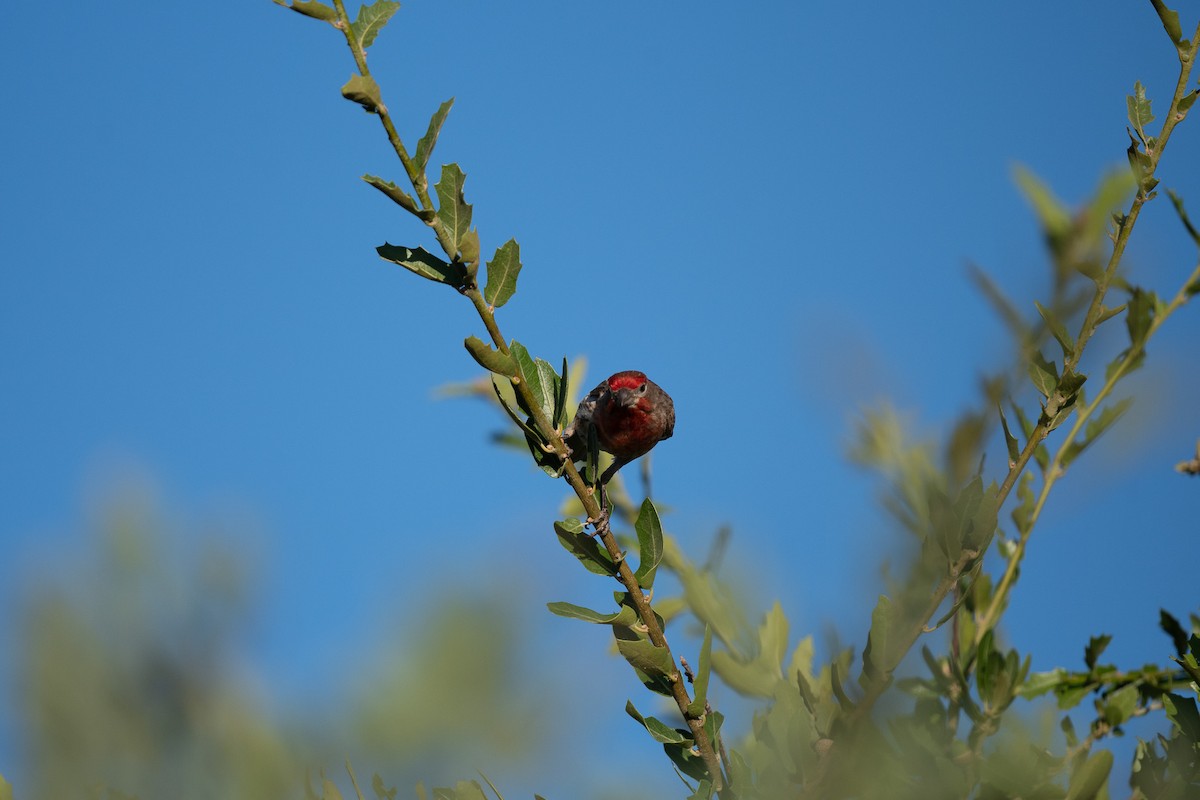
767,207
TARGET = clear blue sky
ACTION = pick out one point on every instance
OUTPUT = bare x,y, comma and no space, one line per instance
767,207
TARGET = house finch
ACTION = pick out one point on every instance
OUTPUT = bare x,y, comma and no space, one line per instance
630,414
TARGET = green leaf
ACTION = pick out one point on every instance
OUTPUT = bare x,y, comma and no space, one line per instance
560,398
371,19
1058,330
1172,628
703,672
1090,777
1139,315
1041,682
1170,20
1010,441
311,8
773,638
6,792
650,543
453,210
648,658
1177,201
584,547
1120,704
661,732
531,435
489,359
469,249
425,264
1182,711
876,655
502,274
1096,646
427,142
1043,373
364,91
1139,108
1052,213
398,195
532,375
626,616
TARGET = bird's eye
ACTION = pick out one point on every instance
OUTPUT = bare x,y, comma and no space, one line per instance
642,389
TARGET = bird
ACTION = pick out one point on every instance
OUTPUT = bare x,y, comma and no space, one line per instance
630,414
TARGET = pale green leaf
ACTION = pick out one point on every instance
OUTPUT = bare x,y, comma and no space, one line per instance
370,21
502,273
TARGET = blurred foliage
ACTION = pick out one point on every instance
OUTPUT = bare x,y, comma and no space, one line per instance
135,680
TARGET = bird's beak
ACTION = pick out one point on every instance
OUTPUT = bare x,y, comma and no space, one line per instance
627,398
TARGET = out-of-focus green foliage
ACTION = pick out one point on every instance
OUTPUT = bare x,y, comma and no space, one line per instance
136,680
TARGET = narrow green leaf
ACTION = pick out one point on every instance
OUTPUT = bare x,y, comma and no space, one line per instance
453,210
1107,313
1058,330
6,792
1051,211
584,547
1010,441
650,543
560,400
661,732
1177,201
1095,647
425,264
370,21
773,639
530,434
489,359
1139,315
502,273
427,142
311,8
703,672
1172,628
1089,780
398,195
626,616
1170,20
1139,109
835,685
364,91
1043,373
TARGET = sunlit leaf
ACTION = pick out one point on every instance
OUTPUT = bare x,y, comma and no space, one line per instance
427,142
502,273
364,91
370,21
453,210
